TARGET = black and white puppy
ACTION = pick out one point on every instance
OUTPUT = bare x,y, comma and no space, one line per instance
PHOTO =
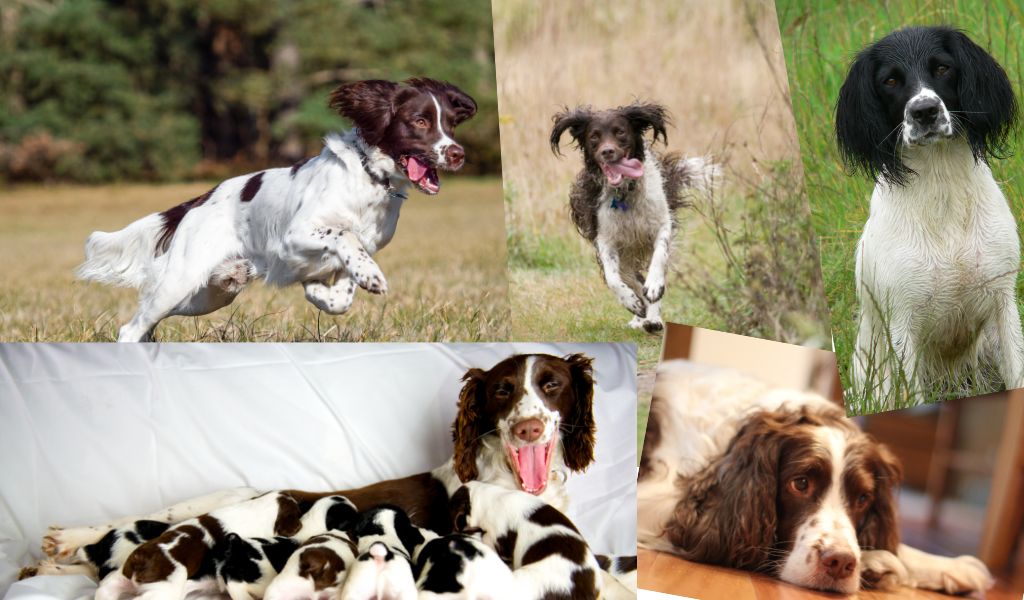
624,201
461,567
316,570
245,567
922,112
387,541
317,223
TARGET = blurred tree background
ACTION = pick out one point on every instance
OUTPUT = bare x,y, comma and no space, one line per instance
106,90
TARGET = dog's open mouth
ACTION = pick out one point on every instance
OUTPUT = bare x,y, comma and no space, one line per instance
532,464
624,167
422,174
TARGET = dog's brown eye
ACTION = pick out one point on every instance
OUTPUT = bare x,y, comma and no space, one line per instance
941,70
551,386
863,500
800,485
890,82
421,123
503,392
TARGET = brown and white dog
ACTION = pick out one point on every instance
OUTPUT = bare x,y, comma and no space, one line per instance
738,474
318,222
525,424
624,201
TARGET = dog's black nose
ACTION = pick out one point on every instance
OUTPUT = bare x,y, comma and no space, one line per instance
925,110
608,154
454,155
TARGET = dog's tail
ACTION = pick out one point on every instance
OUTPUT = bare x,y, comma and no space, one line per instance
122,258
699,173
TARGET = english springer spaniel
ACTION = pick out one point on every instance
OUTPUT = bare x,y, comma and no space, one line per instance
737,474
922,111
624,201
317,223
525,424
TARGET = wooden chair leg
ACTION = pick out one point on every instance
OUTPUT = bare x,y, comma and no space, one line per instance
1005,509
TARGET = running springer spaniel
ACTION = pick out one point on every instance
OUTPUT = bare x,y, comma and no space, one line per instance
921,112
624,201
317,223
780,482
524,424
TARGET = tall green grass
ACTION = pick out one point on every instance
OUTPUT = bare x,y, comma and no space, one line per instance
820,39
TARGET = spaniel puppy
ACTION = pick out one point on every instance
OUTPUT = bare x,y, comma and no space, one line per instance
624,201
317,223
922,112
316,570
737,474
246,566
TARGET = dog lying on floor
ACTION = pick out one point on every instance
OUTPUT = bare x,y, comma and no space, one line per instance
625,199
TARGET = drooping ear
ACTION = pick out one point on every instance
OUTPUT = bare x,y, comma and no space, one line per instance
463,105
880,528
467,429
369,104
578,427
575,121
862,131
460,508
647,116
986,99
728,513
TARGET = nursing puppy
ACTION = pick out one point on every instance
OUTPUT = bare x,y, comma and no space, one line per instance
316,570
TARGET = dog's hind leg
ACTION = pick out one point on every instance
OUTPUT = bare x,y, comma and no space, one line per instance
178,295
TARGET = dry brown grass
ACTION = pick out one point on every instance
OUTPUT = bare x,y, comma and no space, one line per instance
446,269
719,69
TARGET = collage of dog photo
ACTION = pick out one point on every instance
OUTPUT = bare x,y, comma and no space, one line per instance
690,299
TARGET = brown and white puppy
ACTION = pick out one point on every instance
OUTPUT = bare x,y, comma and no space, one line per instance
524,424
625,199
318,222
738,474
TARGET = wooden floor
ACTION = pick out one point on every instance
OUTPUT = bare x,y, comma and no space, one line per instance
669,574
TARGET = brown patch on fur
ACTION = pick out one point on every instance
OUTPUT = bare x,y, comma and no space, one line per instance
289,516
321,565
172,218
148,563
252,187
421,496
579,429
547,516
572,548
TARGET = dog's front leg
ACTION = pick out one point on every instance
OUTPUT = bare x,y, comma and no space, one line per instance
654,284
613,278
960,575
332,299
324,244
1011,343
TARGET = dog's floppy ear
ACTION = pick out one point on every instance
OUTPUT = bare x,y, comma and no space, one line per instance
880,528
644,116
368,104
467,429
578,429
862,131
986,98
575,121
463,105
460,508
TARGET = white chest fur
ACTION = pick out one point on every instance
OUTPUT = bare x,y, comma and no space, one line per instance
631,217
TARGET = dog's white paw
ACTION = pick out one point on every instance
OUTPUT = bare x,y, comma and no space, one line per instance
963,575
654,289
882,570
369,276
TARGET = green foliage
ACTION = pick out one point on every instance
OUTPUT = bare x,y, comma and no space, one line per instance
98,90
820,39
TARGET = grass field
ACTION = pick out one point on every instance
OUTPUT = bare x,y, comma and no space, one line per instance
820,40
721,76
446,269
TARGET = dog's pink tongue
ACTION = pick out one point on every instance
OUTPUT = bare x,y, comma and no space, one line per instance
627,167
533,469
415,169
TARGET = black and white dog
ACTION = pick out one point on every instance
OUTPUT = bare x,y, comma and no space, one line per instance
317,223
625,199
922,111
